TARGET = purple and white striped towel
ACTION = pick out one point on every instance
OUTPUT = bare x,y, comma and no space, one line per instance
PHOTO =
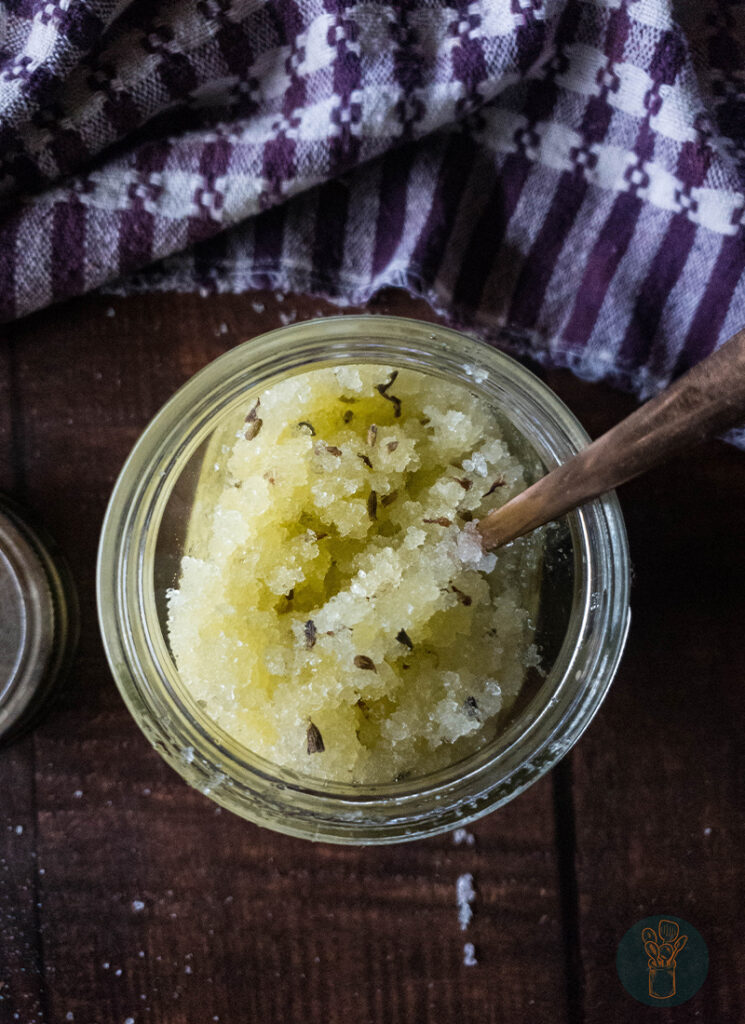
568,170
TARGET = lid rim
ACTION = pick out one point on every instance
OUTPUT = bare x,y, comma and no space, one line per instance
48,616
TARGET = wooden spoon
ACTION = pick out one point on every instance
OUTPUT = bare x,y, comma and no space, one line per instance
700,404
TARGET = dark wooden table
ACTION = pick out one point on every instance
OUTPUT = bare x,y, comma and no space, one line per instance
126,895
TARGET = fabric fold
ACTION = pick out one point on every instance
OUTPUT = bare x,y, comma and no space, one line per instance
565,172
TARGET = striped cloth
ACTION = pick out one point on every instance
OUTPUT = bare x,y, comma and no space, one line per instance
565,175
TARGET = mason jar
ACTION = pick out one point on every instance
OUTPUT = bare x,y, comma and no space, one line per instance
580,629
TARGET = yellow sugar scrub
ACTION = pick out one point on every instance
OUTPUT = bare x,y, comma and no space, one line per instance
334,612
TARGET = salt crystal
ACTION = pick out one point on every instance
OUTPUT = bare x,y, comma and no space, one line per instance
258,307
463,836
69,1015
707,831
19,830
465,895
187,969
476,464
138,905
106,966
78,793
478,373
469,955
110,311
118,972
469,546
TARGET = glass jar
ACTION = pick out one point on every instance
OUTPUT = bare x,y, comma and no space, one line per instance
581,626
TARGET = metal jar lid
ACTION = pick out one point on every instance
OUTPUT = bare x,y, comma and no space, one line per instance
38,620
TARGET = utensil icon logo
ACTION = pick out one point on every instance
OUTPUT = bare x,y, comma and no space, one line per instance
662,948
662,961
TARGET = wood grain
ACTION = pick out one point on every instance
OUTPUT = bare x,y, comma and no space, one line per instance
153,903
22,972
658,778
127,894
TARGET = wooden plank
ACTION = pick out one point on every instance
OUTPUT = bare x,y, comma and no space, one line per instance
659,778
22,990
236,923
7,470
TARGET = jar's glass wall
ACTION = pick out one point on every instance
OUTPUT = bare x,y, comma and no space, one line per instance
580,625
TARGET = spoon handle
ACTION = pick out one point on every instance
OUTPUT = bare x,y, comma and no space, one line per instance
700,404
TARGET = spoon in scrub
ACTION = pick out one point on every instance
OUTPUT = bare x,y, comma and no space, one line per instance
699,405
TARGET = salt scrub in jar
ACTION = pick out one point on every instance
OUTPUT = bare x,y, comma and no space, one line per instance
331,614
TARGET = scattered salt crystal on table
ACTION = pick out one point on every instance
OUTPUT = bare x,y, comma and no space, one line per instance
462,836
138,905
465,895
258,307
469,955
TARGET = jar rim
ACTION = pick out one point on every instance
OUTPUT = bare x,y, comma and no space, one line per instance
278,798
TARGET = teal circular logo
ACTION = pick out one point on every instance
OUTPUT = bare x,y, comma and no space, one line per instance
662,961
